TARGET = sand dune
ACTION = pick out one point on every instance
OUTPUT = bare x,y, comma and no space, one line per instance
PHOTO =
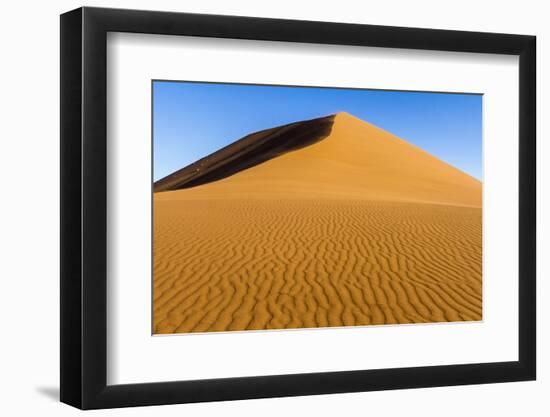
356,160
344,224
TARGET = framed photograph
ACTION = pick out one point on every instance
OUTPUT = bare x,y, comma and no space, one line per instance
260,208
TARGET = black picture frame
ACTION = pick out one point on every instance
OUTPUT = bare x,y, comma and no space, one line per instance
84,207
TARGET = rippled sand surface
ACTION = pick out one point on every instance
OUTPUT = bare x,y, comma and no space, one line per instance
242,265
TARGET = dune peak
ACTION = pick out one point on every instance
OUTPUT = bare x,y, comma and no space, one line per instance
342,115
345,117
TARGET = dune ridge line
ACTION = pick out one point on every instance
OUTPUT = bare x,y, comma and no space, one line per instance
251,150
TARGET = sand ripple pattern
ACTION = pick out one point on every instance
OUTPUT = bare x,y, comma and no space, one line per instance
253,265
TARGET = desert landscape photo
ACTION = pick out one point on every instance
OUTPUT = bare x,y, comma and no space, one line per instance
323,221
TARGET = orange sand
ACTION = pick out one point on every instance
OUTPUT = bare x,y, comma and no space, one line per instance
359,228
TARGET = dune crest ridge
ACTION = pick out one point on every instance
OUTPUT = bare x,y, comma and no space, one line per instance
249,151
324,223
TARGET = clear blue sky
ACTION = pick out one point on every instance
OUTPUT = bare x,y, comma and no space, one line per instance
192,120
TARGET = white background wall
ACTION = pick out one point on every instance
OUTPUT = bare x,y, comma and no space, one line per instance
29,173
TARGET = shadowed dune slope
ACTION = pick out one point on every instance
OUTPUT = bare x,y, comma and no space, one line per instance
247,152
356,160
347,225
